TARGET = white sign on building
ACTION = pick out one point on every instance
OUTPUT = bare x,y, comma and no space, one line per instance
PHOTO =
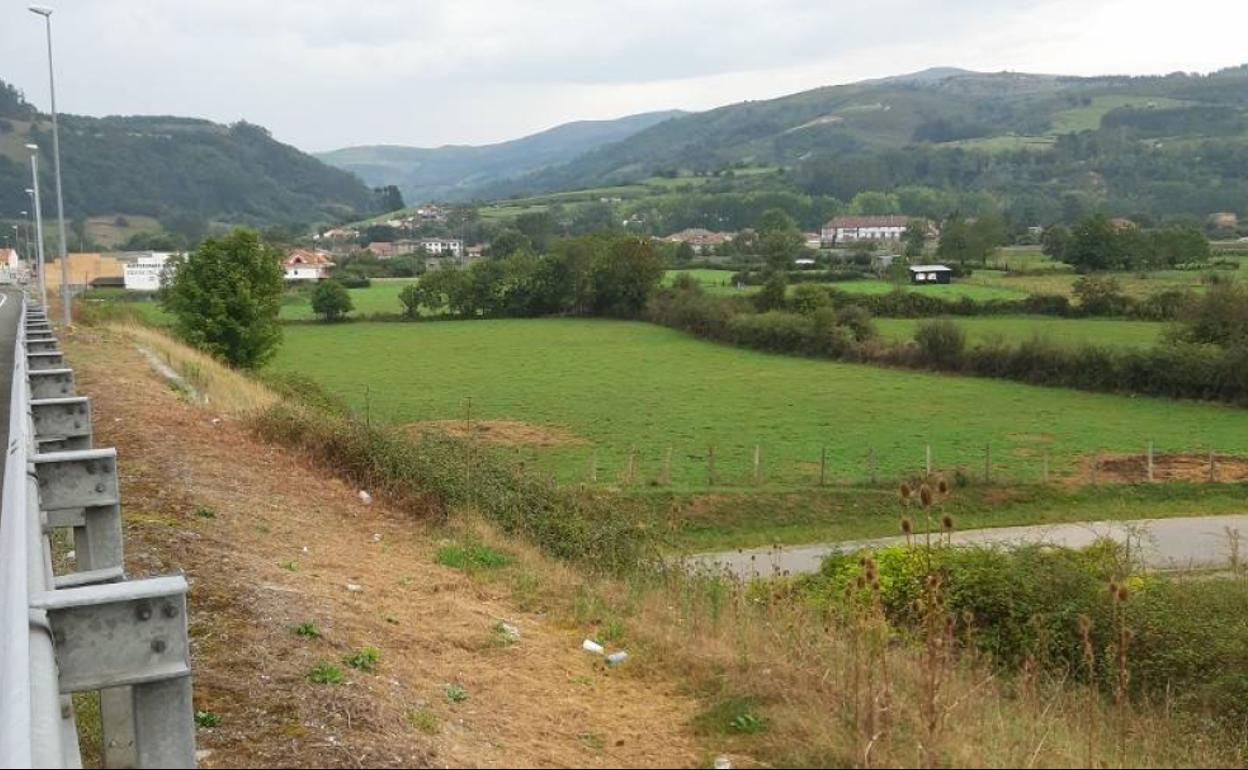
147,272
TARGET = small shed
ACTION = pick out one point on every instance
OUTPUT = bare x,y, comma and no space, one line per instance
930,274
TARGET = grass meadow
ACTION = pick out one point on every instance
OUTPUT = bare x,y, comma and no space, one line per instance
1015,329
619,390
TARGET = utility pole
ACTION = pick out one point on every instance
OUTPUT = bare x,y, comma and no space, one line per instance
34,173
66,309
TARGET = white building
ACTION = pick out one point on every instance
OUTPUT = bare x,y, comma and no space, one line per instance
881,229
147,272
307,265
442,247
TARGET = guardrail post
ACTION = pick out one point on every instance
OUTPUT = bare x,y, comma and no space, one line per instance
79,489
129,640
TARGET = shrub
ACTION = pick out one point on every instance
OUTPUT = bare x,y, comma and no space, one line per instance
331,301
366,659
940,342
325,673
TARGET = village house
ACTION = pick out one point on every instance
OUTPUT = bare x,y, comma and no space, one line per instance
441,246
85,267
1224,220
702,240
839,231
307,265
383,249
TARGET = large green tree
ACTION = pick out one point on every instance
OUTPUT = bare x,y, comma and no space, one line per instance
625,276
225,297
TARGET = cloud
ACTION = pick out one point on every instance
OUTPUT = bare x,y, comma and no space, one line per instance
323,74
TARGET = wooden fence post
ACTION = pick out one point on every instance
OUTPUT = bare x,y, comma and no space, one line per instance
710,466
872,467
1150,460
1096,465
758,471
987,463
928,459
665,476
1044,466
632,465
1213,468
593,467
823,465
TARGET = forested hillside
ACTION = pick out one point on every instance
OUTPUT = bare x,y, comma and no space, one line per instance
176,169
1045,147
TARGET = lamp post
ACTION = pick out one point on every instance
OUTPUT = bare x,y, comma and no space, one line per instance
34,174
25,241
66,310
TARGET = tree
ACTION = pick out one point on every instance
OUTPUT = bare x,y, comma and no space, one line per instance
225,297
913,239
1055,243
389,198
331,301
684,253
508,242
1219,317
772,295
872,202
625,276
1100,295
779,239
538,227
1094,245
410,298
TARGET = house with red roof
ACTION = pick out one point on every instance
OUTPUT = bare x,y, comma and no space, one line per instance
307,265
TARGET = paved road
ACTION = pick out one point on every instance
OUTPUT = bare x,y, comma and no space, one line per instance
1196,542
10,310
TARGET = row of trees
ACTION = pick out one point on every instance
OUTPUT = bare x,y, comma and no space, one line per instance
1100,243
605,274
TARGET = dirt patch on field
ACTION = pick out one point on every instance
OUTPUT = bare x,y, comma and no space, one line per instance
269,541
1132,468
502,432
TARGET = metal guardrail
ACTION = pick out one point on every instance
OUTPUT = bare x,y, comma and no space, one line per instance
90,629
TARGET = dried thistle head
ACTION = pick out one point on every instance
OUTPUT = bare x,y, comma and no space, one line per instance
907,526
1085,625
875,586
925,496
1123,593
860,582
1113,589
943,487
946,523
905,491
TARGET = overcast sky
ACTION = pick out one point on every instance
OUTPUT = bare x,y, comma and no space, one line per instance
323,74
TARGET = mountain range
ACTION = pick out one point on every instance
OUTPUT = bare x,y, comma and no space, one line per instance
458,171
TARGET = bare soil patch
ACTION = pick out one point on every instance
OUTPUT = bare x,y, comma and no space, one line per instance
269,541
501,432
1133,468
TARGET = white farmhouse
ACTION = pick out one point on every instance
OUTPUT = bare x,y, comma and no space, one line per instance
307,265
442,247
147,272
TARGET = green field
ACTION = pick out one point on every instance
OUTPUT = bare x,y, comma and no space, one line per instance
720,282
1015,329
380,297
618,385
1088,117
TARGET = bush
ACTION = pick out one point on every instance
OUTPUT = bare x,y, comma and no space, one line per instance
331,301
940,342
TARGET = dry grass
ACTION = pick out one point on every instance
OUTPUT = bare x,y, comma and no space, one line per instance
216,384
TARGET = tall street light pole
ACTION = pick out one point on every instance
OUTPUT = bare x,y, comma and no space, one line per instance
30,229
34,174
26,240
66,308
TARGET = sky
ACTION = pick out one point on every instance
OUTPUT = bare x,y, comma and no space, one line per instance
322,74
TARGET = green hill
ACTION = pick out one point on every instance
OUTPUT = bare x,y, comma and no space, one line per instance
1160,144
174,168
457,171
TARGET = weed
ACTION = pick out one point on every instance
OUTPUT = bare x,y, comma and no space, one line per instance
204,512
472,557
423,719
291,565
325,673
731,716
456,693
366,659
207,719
308,630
